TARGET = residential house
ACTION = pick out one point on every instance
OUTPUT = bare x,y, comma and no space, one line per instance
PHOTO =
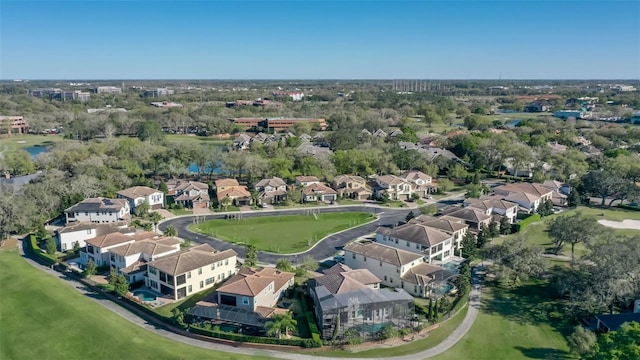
99,210
380,134
475,218
229,190
494,205
407,145
138,194
352,187
189,271
97,248
78,232
190,194
259,138
422,183
560,191
272,190
345,298
396,188
529,196
242,142
395,133
307,148
364,133
319,192
453,227
613,322
395,267
247,298
538,106
305,138
306,180
131,259
434,244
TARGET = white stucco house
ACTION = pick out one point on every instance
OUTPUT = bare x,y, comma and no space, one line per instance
99,210
139,194
435,245
78,232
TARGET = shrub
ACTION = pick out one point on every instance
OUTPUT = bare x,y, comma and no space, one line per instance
629,207
248,338
32,246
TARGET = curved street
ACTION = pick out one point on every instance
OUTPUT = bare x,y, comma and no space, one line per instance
323,249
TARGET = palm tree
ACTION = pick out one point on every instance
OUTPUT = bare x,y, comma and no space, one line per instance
142,209
280,322
170,231
155,218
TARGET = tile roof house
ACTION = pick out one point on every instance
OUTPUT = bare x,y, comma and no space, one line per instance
352,187
97,248
242,142
528,196
319,192
252,294
560,192
79,232
99,210
380,133
271,190
139,194
189,271
303,180
395,267
422,183
230,190
345,298
475,218
131,258
453,227
494,205
432,243
191,194
393,186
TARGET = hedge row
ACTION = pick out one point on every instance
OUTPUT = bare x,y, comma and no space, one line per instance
253,339
629,207
311,320
526,222
42,257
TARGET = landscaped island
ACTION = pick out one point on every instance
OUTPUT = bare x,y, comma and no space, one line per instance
282,234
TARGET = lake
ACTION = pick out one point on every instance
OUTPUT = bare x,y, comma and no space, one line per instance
36,150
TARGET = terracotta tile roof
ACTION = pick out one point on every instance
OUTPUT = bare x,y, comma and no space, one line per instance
387,180
226,182
137,192
117,238
412,176
191,259
469,214
535,189
233,193
338,282
249,282
306,178
387,254
416,233
421,274
273,182
447,225
147,246
318,188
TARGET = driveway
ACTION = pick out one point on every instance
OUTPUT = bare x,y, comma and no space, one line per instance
324,249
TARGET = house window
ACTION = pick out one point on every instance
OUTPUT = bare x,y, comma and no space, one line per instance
353,255
153,271
380,263
396,241
189,289
446,253
189,275
89,231
408,243
226,261
245,300
365,259
385,278
391,280
213,266
200,271
417,246
201,284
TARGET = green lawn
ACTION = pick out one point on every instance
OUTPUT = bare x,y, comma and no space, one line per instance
536,233
281,234
519,323
185,304
43,318
181,138
435,337
17,142
179,212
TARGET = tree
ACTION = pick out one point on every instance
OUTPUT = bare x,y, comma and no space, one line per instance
546,208
119,283
178,317
143,208
17,162
469,249
309,264
482,238
445,185
457,171
573,229
516,261
91,268
493,230
155,218
573,199
505,226
621,344
410,216
581,341
280,322
163,186
429,209
50,245
251,258
284,265
170,231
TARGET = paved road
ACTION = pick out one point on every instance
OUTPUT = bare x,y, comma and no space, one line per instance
451,340
323,249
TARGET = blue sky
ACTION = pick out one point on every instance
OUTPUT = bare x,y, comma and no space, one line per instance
319,39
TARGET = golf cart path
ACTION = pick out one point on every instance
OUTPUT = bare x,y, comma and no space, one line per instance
446,344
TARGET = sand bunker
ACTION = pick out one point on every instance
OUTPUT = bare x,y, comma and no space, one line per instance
624,224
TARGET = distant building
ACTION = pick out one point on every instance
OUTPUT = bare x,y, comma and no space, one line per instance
62,95
294,95
623,88
107,90
159,92
13,124
538,106
276,124
166,104
565,114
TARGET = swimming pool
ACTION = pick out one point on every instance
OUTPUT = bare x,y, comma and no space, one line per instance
144,295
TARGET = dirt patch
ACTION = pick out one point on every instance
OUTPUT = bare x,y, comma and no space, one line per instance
624,224
10,243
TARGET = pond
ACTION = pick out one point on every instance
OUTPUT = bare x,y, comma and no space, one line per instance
36,150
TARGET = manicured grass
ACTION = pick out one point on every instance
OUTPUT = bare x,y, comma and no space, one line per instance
17,142
519,323
185,304
44,318
281,234
435,337
181,138
537,235
179,212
